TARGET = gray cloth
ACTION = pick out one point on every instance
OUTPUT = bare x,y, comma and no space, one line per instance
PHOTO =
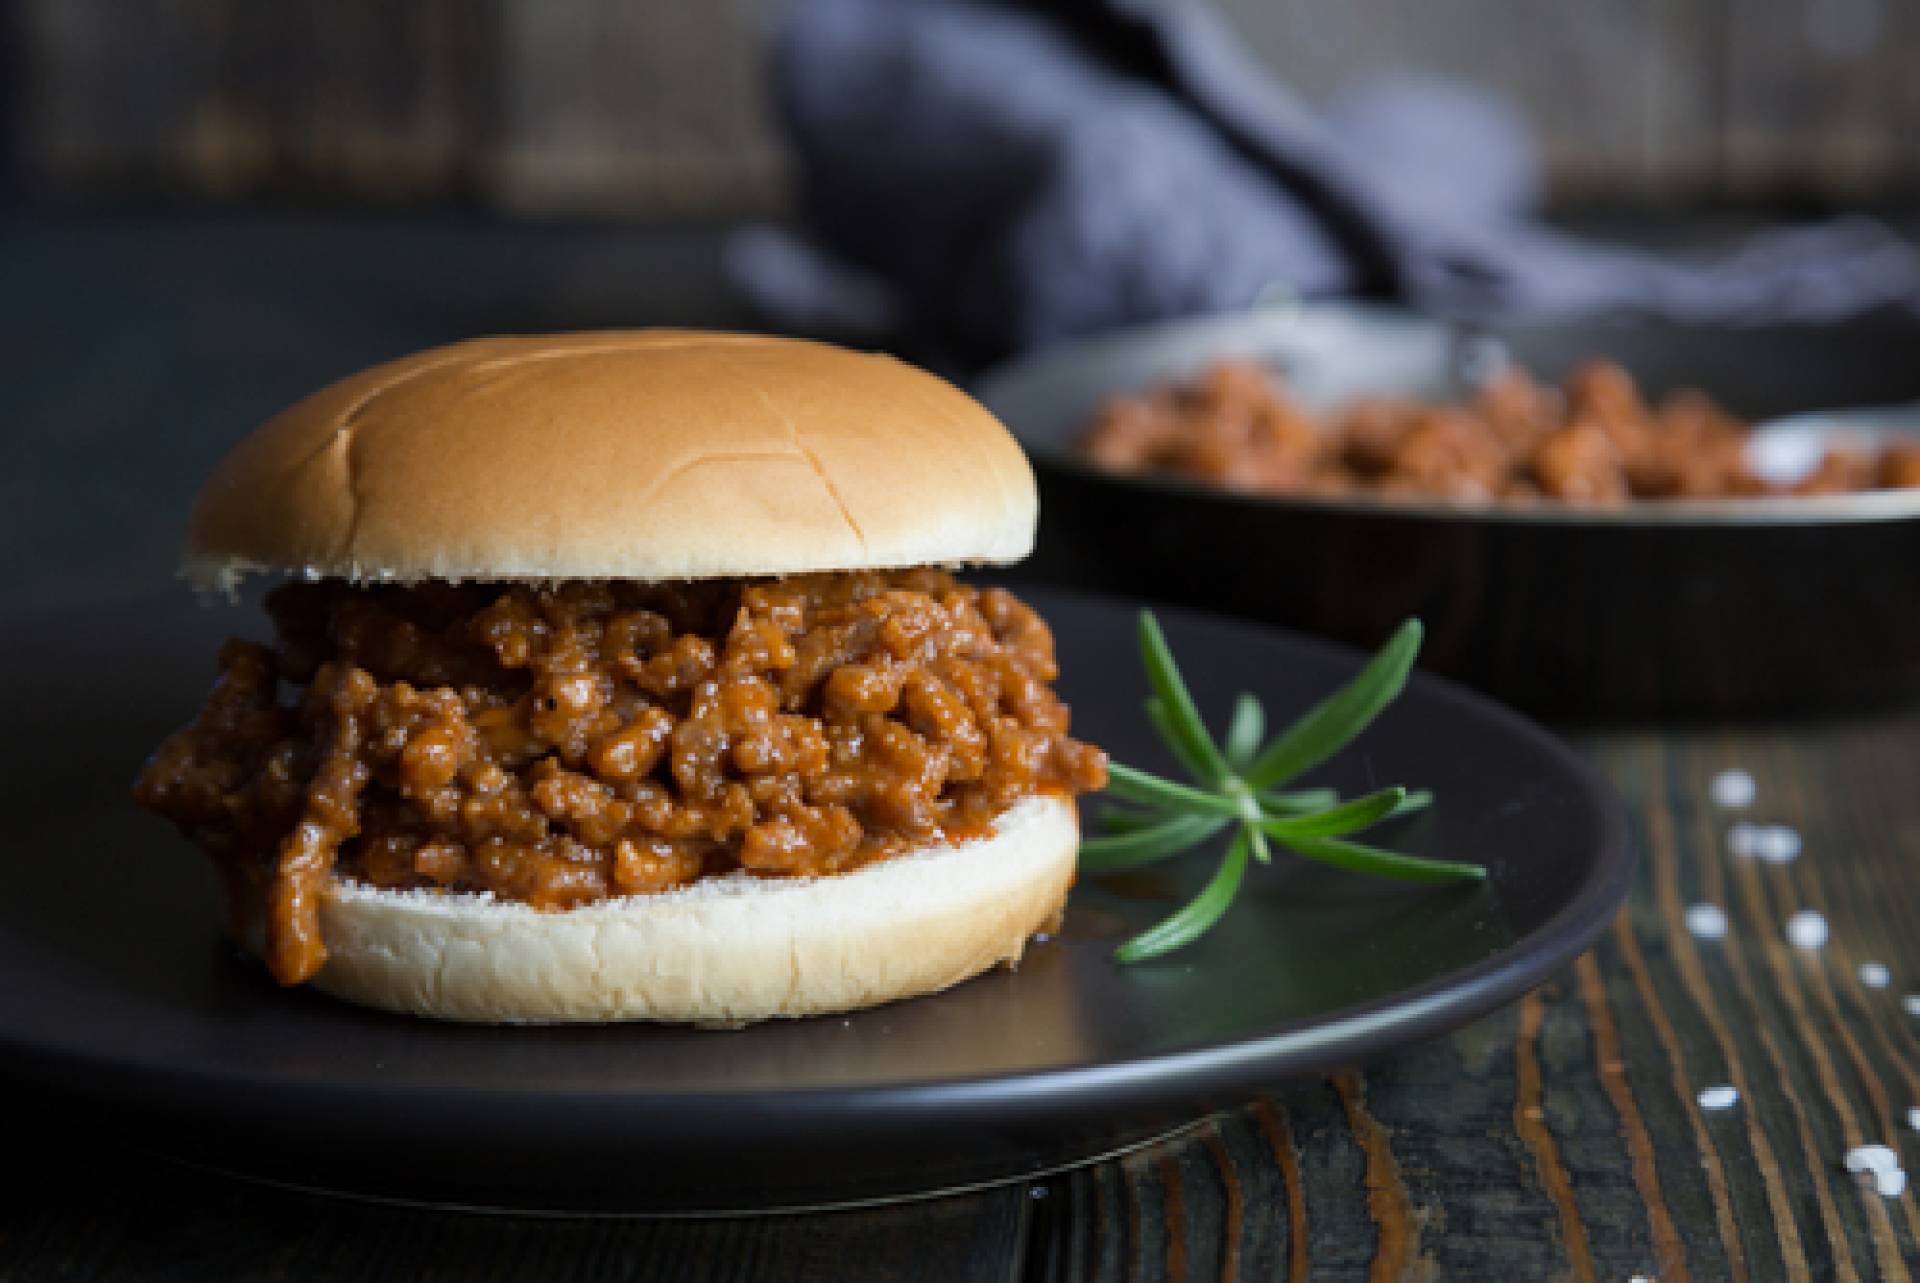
983,178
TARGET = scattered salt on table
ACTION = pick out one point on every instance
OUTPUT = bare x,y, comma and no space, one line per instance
1777,844
1807,930
1708,921
1722,1097
1888,1177
1732,790
1874,975
1872,1158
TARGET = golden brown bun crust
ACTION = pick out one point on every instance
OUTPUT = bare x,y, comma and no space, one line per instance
721,952
647,454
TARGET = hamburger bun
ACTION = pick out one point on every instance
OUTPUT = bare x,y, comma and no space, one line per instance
650,454
724,951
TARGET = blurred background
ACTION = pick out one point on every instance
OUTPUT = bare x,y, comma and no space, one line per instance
209,208
654,109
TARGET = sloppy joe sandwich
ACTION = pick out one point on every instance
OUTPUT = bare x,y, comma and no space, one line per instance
626,676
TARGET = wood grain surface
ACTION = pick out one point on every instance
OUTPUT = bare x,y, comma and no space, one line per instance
1560,1138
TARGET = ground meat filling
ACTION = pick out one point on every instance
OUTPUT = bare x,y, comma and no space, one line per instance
556,746
1596,440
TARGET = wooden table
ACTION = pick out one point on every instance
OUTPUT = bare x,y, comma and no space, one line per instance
1561,1137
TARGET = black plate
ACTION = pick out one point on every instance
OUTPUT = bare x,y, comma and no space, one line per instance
118,996
1734,607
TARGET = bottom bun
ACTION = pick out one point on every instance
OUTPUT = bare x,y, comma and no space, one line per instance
724,951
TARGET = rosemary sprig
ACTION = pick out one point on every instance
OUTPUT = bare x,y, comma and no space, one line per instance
1237,783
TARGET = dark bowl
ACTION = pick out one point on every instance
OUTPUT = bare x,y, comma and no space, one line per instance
1753,606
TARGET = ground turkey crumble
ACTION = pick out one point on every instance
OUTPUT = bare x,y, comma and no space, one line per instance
559,745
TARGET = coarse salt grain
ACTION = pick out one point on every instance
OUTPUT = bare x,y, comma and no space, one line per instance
1912,1003
1722,1097
1874,975
1913,1117
1807,930
1732,790
1872,1158
1708,921
1777,844
1891,1184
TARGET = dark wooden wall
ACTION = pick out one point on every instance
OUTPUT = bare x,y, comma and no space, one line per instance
539,105
656,106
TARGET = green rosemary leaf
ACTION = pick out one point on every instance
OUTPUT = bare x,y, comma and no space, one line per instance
1257,841
1415,800
1157,714
1299,803
1333,723
1357,857
1245,731
1148,845
1115,818
1348,817
1200,913
1186,731
1158,818
1133,785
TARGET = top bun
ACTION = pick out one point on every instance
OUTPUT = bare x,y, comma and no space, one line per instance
644,454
